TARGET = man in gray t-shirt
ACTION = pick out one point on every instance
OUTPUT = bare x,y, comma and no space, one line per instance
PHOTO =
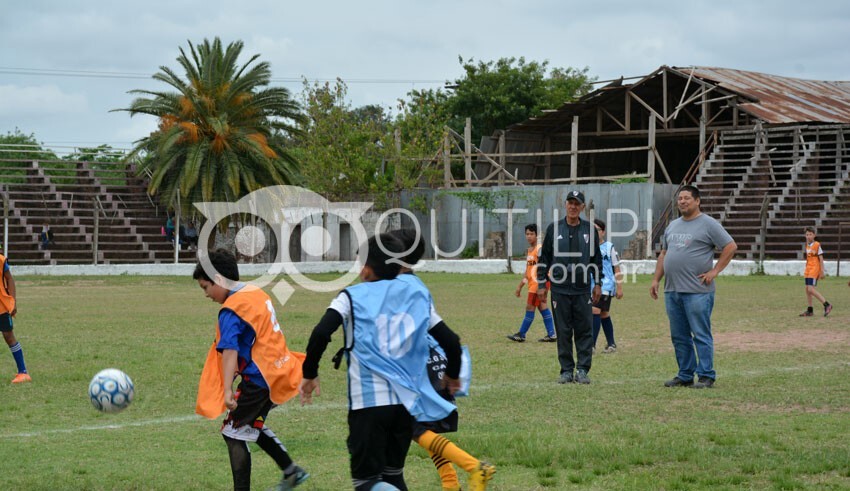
687,253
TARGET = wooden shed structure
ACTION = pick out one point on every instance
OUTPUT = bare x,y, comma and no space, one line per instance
768,152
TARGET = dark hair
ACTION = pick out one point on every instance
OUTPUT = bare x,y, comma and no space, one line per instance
416,248
691,189
224,263
599,223
380,249
812,230
532,227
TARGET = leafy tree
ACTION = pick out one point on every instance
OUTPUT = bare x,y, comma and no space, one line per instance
341,150
218,136
101,153
496,94
20,146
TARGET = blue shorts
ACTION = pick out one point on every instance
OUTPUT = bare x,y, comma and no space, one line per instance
811,281
5,322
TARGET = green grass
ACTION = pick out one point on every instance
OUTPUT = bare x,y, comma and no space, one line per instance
778,419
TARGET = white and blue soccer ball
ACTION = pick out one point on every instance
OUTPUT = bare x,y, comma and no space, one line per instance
111,390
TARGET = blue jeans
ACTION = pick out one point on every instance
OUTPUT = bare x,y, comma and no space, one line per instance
690,330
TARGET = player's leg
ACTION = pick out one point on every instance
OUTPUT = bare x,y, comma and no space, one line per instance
597,324
608,329
240,463
293,475
367,446
6,326
399,434
548,322
448,476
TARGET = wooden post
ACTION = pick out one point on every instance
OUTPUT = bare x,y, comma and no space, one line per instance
95,231
5,223
574,150
502,158
467,151
628,112
665,94
703,119
547,170
447,161
650,154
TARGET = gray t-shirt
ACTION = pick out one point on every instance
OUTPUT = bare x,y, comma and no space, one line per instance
690,246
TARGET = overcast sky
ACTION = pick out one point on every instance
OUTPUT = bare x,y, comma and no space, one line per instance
372,44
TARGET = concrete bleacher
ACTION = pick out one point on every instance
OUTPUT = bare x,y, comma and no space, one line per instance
67,195
797,176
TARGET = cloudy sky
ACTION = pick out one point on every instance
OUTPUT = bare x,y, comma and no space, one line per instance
65,64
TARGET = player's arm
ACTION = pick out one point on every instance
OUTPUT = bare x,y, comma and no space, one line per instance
450,342
319,340
822,273
659,273
521,283
10,287
229,361
618,279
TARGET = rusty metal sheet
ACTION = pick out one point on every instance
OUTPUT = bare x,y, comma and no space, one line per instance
778,100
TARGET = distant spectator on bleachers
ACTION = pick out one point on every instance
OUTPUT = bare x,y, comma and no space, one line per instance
46,236
169,228
190,236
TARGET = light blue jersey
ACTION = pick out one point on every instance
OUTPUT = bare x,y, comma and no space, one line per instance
386,362
609,260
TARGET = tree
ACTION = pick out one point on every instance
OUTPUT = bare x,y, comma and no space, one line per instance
217,136
342,150
496,94
20,146
100,153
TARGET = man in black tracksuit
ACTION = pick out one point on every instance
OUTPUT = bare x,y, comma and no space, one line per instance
569,257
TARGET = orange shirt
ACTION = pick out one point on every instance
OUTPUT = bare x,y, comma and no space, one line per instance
531,267
7,302
813,253
280,367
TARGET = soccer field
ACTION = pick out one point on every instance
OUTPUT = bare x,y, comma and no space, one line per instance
779,417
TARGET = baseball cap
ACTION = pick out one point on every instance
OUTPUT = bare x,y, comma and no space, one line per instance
576,195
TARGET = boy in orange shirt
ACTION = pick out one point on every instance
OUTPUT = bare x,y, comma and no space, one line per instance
533,301
8,309
814,272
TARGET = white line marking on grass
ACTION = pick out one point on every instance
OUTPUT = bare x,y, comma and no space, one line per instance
173,419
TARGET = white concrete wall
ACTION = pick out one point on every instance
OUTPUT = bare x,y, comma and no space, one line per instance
466,266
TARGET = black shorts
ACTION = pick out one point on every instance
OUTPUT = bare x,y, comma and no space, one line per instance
445,425
604,303
6,322
378,437
252,408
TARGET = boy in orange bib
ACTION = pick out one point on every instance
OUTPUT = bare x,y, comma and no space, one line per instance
814,272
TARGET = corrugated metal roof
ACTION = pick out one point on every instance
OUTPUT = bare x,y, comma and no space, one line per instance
777,99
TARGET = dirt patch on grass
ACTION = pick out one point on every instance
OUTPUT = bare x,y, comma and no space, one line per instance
811,339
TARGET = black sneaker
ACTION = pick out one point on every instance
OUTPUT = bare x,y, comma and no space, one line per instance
808,313
581,377
827,309
548,339
566,378
703,383
519,338
677,382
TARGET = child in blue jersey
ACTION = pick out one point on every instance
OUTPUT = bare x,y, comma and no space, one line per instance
248,333
612,286
427,434
386,319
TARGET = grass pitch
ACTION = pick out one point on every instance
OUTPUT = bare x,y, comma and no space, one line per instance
777,419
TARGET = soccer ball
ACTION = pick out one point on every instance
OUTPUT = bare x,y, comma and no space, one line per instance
111,390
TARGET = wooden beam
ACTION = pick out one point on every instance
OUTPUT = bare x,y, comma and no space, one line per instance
447,161
467,149
663,167
547,171
598,119
574,149
647,106
502,156
628,116
650,155
621,125
664,95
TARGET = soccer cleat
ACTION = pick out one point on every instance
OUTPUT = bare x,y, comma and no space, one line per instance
290,482
548,339
807,313
516,337
827,310
479,478
581,377
610,349
21,378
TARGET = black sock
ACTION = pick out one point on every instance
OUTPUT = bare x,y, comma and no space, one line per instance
240,463
825,303
810,309
271,445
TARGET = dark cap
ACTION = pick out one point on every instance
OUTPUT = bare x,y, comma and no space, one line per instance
576,195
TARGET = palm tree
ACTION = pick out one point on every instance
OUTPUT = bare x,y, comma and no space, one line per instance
219,133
